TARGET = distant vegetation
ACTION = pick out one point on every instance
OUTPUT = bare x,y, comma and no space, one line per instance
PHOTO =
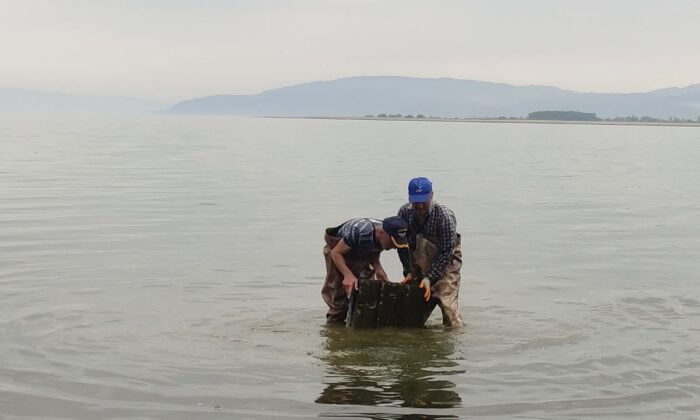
547,116
422,116
563,116
589,116
634,118
396,116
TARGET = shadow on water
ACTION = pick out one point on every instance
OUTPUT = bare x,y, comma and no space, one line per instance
390,368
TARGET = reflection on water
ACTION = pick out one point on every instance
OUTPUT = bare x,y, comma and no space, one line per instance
390,367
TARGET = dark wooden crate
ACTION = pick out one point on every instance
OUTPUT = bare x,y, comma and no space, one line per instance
378,304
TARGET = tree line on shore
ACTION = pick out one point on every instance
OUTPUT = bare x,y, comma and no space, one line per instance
550,116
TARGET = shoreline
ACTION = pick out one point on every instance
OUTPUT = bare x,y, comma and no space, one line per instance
505,121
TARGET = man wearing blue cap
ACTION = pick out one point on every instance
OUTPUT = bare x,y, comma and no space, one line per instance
352,253
434,256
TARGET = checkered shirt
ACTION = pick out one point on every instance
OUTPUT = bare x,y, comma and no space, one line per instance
441,223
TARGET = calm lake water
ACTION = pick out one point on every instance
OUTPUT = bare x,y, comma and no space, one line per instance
170,268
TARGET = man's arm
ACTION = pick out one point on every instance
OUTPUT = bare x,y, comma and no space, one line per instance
379,270
403,252
405,260
337,255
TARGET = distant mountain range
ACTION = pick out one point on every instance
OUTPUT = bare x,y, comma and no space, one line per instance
22,100
359,96
373,95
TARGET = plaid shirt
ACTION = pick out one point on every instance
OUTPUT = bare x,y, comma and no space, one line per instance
441,223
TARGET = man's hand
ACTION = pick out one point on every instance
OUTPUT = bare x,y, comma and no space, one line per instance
381,274
407,279
350,283
425,284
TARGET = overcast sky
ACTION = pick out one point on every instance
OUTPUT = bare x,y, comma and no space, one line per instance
177,49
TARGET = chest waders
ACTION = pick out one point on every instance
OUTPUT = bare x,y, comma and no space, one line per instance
446,289
333,293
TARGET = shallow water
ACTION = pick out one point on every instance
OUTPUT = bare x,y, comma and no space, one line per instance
170,267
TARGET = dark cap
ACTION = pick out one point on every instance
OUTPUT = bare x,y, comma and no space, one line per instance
397,228
419,190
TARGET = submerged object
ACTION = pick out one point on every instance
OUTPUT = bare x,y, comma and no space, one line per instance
378,304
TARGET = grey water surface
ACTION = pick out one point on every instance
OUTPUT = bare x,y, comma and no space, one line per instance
167,267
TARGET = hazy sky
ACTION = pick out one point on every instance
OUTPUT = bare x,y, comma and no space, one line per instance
177,49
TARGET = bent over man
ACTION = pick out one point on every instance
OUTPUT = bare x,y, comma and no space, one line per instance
434,256
352,253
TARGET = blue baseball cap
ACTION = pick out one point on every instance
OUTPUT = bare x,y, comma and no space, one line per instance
397,228
419,190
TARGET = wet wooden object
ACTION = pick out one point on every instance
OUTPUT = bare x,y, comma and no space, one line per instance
378,304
